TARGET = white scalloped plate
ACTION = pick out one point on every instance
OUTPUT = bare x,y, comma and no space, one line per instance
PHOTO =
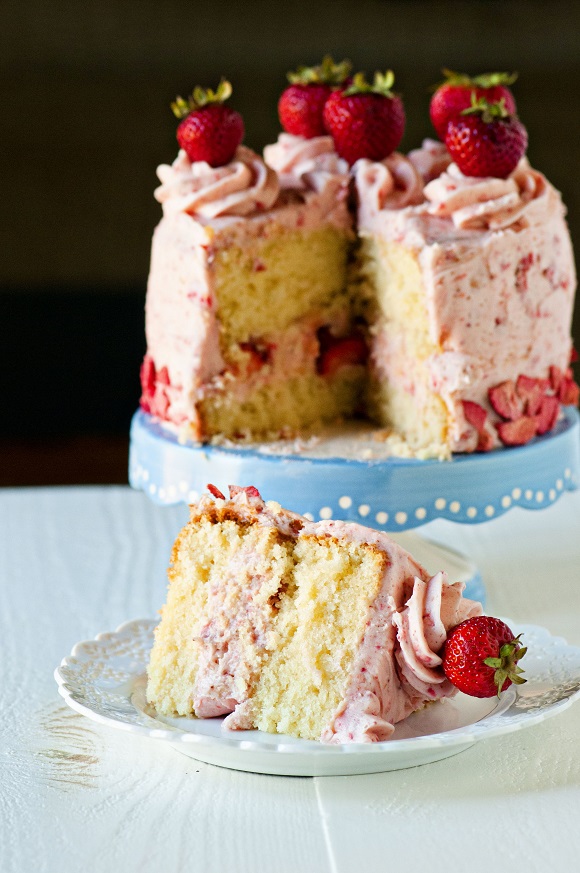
105,680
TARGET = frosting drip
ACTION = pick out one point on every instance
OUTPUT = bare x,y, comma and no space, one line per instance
244,186
484,203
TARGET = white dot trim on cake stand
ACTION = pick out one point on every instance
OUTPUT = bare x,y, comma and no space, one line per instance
394,494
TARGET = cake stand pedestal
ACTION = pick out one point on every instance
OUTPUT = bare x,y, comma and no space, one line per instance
387,493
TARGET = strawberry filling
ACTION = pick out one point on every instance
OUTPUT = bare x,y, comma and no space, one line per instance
337,352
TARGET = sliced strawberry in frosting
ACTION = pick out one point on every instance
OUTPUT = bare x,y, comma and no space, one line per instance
568,392
215,492
474,414
250,490
532,392
505,400
547,415
519,432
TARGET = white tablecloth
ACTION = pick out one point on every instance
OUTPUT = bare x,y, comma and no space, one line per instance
77,796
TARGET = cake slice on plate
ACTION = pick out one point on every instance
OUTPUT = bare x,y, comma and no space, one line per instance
322,630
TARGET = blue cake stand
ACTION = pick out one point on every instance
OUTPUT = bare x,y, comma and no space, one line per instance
392,494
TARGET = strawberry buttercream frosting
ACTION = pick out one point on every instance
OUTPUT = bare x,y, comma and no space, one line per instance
306,164
243,186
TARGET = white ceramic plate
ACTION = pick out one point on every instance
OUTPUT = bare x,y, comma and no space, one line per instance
104,679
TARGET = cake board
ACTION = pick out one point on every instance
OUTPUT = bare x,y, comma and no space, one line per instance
348,478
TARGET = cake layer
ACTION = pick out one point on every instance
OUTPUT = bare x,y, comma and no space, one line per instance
323,630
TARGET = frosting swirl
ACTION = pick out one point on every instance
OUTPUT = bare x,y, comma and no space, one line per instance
390,184
475,203
243,186
431,159
433,608
306,164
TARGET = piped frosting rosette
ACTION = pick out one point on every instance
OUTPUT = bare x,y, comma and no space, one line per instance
308,164
389,184
433,608
400,662
242,187
431,159
474,203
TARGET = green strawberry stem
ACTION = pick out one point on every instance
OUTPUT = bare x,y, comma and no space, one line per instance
326,73
506,665
382,84
201,97
489,111
484,80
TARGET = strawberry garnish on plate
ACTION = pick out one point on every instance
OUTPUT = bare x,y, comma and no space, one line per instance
209,131
301,104
365,120
485,140
481,657
454,95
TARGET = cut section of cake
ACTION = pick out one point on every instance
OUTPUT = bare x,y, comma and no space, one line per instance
327,631
469,285
245,274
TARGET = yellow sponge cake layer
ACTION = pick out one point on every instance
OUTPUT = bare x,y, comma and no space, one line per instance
271,282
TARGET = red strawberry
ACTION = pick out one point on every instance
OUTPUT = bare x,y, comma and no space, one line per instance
454,95
485,141
547,415
365,121
481,655
301,104
337,352
569,393
215,492
519,432
474,414
210,131
532,392
505,401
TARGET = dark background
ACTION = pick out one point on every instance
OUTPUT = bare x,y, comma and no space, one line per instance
84,95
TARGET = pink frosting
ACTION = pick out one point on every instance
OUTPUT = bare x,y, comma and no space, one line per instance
243,186
306,164
431,159
390,184
484,203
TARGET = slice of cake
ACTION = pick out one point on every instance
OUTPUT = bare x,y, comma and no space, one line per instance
326,631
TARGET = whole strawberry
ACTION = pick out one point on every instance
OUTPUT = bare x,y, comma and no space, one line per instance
485,140
481,655
209,131
365,121
301,104
454,95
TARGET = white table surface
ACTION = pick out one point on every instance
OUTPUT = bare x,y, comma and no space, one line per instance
77,796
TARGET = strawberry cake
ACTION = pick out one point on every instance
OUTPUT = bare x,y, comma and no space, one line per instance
324,630
336,277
